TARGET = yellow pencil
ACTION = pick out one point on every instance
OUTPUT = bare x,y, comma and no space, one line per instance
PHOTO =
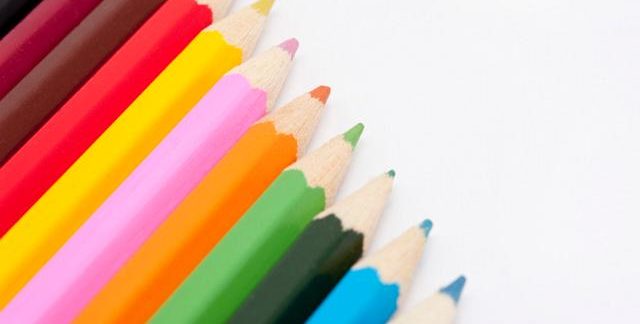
98,172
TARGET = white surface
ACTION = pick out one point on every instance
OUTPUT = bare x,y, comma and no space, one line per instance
512,124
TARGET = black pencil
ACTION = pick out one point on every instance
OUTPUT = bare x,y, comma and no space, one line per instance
12,12
325,251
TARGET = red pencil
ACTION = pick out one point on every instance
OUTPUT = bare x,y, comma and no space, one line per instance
35,36
48,154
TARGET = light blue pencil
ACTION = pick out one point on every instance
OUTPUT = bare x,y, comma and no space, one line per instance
371,291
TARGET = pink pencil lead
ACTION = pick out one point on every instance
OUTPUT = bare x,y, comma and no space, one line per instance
291,46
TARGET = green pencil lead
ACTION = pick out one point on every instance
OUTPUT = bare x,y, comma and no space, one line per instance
353,135
391,173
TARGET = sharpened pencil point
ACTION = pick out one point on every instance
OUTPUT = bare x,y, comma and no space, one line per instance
454,289
391,173
291,46
353,135
426,226
263,6
321,93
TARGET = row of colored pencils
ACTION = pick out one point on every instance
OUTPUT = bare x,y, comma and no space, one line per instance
146,176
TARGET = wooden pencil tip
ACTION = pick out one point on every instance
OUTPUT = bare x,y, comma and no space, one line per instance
321,93
218,7
426,226
391,173
263,6
454,289
353,135
291,46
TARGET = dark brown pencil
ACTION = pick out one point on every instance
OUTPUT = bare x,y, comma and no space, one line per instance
36,35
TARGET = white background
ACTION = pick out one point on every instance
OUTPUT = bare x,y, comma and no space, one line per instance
512,124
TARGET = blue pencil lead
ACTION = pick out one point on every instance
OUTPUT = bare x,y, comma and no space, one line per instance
454,289
426,226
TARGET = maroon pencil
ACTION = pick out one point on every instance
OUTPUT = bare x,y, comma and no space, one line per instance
42,91
36,35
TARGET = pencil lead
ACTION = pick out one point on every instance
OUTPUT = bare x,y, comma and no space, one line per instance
326,166
454,289
321,93
426,226
299,118
263,6
291,46
391,173
353,135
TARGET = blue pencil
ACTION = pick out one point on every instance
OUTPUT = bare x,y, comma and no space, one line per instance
371,290
437,309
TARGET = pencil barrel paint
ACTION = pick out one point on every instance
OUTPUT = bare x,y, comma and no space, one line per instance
281,298
70,201
319,258
41,92
374,302
89,259
94,107
202,219
212,293
36,35
207,213
372,290
203,297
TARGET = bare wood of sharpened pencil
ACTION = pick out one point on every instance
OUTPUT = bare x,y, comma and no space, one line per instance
298,118
300,192
325,167
201,219
246,26
218,7
397,261
268,74
361,210
314,264
440,308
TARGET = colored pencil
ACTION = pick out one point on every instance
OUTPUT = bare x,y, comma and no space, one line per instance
81,120
207,213
36,35
115,231
372,290
314,264
12,12
116,153
41,92
437,309
226,276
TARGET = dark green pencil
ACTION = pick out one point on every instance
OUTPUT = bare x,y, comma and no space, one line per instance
316,262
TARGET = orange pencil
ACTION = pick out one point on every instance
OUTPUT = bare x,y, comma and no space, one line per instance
208,212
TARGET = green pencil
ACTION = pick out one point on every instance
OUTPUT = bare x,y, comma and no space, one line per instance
316,262
223,280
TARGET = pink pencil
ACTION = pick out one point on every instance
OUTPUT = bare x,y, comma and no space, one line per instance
126,219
